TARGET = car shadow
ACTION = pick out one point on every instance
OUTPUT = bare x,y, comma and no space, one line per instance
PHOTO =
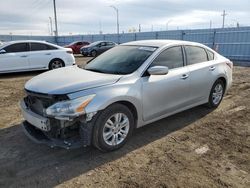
24,163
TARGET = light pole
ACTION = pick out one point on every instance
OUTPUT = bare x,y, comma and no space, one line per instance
117,22
50,26
223,20
167,24
56,31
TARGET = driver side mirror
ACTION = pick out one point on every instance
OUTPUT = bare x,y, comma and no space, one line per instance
2,51
158,70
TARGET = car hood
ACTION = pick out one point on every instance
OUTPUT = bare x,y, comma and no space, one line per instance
68,80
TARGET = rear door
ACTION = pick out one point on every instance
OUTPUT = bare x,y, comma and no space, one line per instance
15,58
164,94
202,72
40,55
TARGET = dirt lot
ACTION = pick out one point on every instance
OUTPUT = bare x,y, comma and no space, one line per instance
195,148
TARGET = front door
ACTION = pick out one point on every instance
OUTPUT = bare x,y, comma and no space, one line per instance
163,94
15,58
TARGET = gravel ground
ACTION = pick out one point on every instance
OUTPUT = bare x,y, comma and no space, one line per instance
195,148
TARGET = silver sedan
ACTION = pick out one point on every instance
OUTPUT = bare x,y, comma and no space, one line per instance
127,87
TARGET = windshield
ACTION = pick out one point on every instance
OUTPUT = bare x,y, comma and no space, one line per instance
120,60
94,43
72,43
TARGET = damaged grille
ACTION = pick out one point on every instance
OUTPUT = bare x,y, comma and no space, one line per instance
39,102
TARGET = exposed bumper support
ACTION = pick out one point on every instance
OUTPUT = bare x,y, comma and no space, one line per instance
39,137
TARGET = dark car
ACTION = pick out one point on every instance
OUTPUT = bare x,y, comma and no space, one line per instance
96,48
76,46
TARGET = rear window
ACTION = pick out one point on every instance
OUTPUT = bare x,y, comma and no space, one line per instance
210,55
195,55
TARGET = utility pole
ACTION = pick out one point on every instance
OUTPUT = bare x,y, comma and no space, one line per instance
117,22
56,31
210,24
50,26
139,28
223,21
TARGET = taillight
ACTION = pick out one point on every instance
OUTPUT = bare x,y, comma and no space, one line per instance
69,51
230,64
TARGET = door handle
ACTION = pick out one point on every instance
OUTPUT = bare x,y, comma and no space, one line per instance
211,68
23,56
48,54
184,76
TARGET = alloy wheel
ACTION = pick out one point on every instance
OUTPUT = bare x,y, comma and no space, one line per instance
217,94
116,129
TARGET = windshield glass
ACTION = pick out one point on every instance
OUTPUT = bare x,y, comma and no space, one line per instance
72,43
94,43
120,60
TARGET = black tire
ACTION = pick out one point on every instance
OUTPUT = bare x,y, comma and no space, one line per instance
93,53
98,131
212,103
56,63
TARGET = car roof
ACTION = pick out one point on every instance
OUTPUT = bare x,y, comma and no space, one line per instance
21,41
28,41
160,43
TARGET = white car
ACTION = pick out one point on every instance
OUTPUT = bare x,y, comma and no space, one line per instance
29,55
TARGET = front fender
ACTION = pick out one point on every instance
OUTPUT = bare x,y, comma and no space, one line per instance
107,95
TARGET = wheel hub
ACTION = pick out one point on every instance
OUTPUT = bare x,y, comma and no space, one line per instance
116,129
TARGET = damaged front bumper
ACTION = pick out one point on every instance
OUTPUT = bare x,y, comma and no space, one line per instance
41,130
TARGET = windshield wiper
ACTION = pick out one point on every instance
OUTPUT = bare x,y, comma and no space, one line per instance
117,72
96,70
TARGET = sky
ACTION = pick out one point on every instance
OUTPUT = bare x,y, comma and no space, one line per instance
31,17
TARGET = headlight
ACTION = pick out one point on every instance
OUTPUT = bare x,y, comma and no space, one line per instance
70,108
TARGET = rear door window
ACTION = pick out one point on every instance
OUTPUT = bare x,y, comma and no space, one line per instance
19,47
171,58
41,47
195,55
38,47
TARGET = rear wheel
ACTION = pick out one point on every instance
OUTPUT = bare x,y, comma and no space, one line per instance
113,128
56,63
216,94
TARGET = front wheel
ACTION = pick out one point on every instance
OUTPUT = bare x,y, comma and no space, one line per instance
93,53
113,128
216,94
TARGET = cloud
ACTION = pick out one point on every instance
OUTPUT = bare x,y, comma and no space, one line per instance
85,16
